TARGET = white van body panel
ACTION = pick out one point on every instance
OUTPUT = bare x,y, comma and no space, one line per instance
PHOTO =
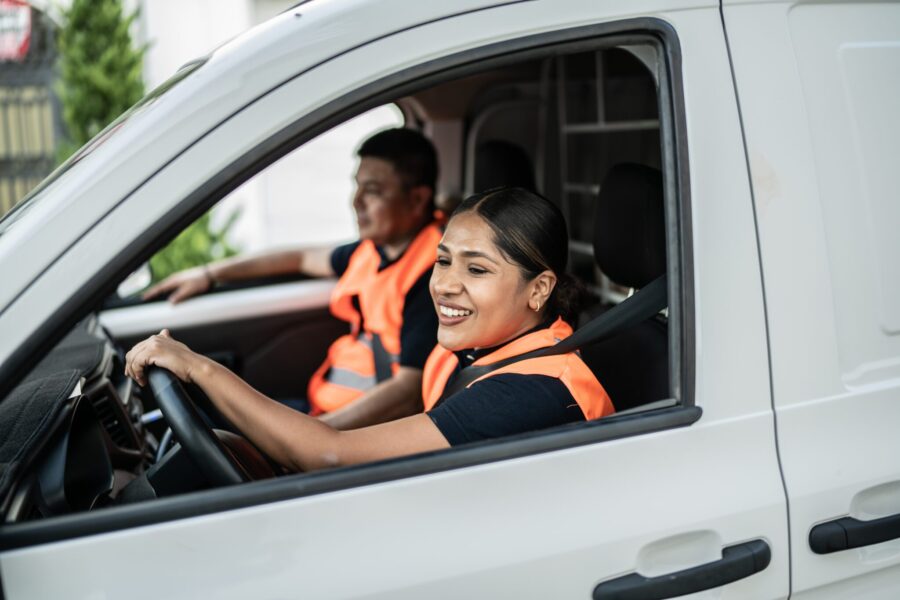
818,102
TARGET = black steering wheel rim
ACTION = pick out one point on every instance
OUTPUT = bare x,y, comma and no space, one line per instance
197,438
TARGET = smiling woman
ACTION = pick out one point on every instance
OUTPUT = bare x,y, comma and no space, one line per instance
510,252
495,288
501,289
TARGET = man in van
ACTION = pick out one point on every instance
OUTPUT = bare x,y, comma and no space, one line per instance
374,373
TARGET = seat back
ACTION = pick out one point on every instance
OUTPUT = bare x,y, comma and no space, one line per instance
630,248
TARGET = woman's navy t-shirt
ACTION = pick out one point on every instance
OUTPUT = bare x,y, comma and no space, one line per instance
503,404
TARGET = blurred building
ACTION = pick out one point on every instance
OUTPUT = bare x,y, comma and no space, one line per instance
30,121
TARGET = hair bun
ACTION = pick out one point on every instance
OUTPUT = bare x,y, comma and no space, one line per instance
568,297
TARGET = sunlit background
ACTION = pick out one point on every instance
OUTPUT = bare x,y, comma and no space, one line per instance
304,198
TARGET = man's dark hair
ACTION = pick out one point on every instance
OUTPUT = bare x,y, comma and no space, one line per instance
412,154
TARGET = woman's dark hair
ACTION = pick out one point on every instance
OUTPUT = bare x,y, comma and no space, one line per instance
531,233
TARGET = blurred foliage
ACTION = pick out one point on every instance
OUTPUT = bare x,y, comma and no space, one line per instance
196,245
100,69
101,76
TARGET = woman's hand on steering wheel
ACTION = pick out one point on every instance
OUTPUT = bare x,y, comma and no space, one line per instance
218,465
162,350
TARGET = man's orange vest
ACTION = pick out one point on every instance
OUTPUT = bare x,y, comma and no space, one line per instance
568,368
349,368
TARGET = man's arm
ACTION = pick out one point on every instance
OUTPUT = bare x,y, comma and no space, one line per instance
315,262
398,397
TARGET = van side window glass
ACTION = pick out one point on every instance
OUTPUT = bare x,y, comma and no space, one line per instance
606,114
302,199
306,196
597,110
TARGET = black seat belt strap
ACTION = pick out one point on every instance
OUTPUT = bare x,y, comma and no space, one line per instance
383,370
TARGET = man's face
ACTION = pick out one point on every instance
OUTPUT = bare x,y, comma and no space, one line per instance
385,210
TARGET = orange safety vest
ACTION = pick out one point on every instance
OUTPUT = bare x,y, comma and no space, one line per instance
349,368
568,368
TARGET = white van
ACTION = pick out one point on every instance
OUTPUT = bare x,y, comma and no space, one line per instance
755,454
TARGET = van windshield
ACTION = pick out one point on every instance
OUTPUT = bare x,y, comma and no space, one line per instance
33,197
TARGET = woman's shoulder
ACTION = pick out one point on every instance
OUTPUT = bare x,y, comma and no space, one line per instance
570,373
555,366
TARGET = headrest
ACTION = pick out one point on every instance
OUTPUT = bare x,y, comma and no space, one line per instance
500,164
629,229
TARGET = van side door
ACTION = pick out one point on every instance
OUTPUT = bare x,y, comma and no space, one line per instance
818,95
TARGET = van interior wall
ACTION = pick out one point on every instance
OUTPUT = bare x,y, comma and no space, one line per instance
565,119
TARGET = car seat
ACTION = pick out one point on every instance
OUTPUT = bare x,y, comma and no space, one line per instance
630,248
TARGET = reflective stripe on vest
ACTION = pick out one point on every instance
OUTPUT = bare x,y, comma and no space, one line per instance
349,368
351,379
568,368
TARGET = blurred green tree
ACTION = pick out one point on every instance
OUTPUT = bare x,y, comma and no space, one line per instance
100,69
197,245
101,76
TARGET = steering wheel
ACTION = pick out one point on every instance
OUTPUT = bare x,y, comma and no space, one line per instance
202,445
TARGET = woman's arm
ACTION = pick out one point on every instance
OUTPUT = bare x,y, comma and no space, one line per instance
291,438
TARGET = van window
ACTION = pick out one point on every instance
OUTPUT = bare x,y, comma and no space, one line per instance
583,125
565,125
305,197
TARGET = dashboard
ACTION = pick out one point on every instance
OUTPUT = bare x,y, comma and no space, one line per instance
71,431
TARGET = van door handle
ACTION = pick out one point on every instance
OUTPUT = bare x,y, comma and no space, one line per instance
737,562
847,532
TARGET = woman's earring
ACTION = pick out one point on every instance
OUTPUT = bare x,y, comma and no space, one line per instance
538,307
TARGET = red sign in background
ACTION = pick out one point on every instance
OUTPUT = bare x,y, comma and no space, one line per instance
15,29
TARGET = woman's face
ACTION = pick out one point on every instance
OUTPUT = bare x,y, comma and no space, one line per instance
480,297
